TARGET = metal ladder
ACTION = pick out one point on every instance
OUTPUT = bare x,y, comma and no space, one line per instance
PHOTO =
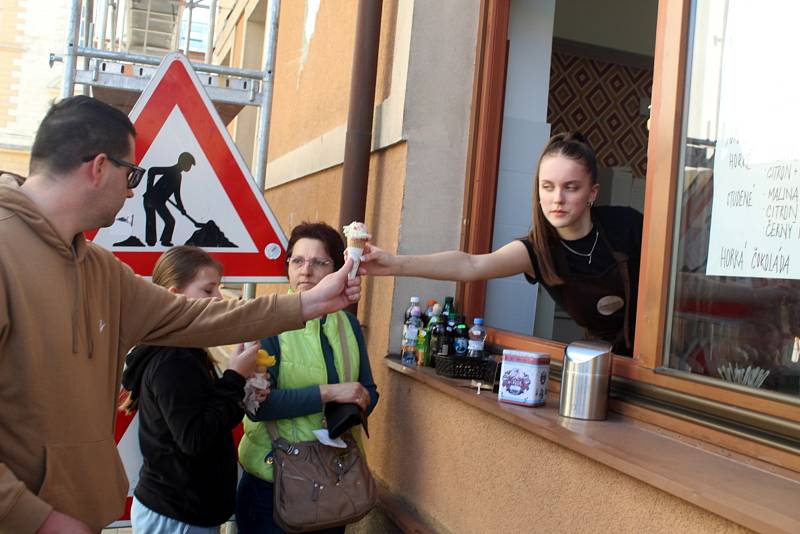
119,69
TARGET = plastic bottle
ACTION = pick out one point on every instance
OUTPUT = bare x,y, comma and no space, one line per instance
408,349
446,345
435,335
448,308
413,301
429,311
477,337
460,337
422,345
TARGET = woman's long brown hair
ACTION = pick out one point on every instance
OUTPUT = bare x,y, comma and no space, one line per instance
176,267
543,235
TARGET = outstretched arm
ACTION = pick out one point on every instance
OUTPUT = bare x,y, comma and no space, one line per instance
508,260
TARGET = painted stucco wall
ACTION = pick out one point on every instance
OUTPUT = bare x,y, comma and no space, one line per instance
312,68
29,84
467,471
312,74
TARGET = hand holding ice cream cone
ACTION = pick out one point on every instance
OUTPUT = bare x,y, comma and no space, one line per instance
357,238
257,387
378,262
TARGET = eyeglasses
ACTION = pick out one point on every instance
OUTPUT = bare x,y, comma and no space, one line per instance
135,173
316,263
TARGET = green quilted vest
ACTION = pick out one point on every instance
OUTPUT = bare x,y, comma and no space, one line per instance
302,364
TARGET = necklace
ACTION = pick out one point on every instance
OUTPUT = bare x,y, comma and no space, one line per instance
585,255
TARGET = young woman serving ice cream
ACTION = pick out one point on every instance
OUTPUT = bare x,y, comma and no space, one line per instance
586,257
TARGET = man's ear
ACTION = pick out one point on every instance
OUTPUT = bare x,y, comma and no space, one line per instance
173,289
97,168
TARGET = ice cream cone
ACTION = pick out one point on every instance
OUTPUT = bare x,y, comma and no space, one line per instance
355,249
357,238
356,242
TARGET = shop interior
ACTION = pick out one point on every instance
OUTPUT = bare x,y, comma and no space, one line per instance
572,65
588,66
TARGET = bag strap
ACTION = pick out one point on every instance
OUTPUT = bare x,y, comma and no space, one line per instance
272,430
345,351
272,426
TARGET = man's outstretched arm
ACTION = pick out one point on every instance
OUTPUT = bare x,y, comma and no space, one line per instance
159,317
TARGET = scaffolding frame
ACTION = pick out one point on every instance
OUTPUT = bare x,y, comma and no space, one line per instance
120,70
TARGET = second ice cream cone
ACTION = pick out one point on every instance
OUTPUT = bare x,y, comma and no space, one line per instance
355,254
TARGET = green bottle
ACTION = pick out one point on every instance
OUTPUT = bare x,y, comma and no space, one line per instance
433,336
449,308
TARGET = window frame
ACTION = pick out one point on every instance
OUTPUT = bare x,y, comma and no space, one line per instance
664,157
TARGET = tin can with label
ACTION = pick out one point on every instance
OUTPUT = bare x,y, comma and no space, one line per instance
524,377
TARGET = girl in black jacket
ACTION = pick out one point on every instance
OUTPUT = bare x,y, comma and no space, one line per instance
186,414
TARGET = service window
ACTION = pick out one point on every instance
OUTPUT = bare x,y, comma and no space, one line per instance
734,298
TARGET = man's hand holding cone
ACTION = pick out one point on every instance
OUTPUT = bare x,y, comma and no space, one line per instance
357,239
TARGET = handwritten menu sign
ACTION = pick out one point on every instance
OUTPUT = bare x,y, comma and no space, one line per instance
755,218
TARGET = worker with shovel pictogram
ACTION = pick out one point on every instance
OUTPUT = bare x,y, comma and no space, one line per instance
160,192
157,195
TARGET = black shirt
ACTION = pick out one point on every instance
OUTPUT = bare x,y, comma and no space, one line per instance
622,227
186,415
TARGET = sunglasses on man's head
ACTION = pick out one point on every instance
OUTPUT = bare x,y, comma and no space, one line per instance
135,173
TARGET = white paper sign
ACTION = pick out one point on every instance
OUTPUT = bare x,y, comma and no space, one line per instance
755,220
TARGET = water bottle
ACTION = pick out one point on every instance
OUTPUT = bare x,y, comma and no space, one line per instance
477,336
408,349
414,301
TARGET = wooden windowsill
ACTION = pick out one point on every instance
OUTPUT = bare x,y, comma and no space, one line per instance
739,491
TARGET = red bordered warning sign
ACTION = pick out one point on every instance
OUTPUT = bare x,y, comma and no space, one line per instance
197,189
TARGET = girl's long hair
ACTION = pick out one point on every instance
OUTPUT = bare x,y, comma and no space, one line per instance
176,267
543,235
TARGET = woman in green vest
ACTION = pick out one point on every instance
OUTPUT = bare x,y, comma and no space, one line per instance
307,375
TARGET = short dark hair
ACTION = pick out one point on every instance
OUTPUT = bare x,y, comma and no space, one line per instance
78,127
331,239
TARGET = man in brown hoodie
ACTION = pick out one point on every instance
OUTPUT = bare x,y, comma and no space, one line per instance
70,311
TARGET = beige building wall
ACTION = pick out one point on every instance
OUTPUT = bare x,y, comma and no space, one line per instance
463,470
29,31
460,469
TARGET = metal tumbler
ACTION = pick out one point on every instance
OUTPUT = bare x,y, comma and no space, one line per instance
585,380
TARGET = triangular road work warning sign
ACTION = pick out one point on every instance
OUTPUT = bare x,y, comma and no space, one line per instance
197,189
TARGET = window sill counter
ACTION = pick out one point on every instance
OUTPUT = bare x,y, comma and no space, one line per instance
731,486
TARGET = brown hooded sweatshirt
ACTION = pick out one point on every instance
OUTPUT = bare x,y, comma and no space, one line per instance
68,315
